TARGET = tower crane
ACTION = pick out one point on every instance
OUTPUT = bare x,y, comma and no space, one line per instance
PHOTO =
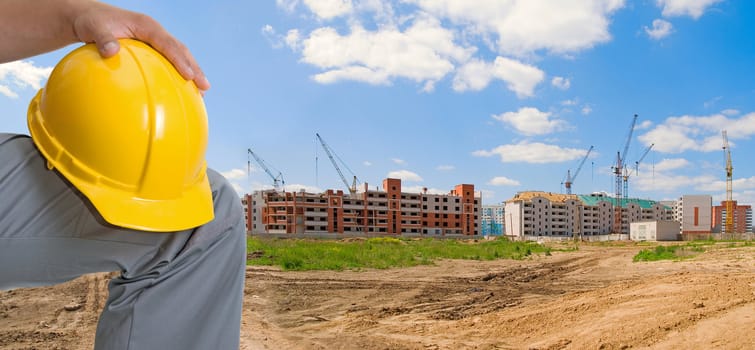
570,179
627,173
277,179
353,187
729,223
619,171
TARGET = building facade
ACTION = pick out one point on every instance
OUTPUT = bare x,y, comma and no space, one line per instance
492,220
742,217
694,213
536,213
387,212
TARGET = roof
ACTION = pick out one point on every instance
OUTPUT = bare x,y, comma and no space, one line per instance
553,197
588,200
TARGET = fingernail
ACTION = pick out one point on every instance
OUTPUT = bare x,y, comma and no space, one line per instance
110,48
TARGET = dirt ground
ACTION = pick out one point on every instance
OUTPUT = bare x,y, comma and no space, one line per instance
593,298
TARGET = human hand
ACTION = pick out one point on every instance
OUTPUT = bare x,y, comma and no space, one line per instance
103,24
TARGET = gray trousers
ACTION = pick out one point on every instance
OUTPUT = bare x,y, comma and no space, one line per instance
179,290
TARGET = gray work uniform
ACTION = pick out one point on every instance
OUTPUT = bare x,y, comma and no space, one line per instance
179,290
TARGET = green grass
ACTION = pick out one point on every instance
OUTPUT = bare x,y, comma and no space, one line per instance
686,251
380,253
671,252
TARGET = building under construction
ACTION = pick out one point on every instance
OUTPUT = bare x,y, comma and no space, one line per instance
536,213
367,212
741,217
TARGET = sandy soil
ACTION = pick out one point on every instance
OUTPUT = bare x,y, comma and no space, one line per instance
593,298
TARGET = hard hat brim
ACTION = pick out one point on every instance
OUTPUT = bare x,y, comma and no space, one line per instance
192,209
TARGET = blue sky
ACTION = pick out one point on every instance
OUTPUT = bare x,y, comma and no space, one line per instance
505,95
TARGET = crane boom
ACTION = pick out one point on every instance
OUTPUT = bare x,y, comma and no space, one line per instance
352,188
637,163
729,223
629,139
277,179
570,179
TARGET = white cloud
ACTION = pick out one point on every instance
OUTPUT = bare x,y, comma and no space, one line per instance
561,83
234,174
660,29
519,77
363,74
328,9
421,189
268,32
445,167
503,181
405,175
698,133
18,75
367,163
525,26
398,161
299,188
424,52
433,39
645,124
293,39
668,183
475,75
569,102
586,109
671,164
534,152
531,121
287,5
692,8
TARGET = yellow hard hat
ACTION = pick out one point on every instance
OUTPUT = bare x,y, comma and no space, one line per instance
128,132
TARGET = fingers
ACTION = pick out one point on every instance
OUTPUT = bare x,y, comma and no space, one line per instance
104,24
108,48
182,59
176,52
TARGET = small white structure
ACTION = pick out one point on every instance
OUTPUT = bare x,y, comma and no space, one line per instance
654,231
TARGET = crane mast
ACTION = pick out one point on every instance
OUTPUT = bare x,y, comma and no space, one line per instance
570,179
353,187
277,179
729,223
619,171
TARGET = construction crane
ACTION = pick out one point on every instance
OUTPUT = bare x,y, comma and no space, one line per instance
277,179
637,163
619,170
353,186
570,179
627,172
729,223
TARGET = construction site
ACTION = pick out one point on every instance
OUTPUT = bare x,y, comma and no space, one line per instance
588,293
528,215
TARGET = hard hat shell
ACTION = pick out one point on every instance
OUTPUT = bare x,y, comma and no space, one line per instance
128,132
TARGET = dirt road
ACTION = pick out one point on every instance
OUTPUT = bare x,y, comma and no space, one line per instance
593,298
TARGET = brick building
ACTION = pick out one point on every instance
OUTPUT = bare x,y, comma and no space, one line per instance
742,217
369,212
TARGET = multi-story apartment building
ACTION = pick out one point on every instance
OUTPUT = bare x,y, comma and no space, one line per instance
536,213
492,220
742,217
694,213
369,212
